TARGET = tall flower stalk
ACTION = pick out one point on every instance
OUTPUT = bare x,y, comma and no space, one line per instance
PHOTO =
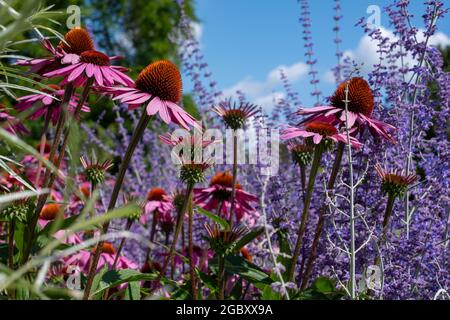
138,132
318,151
322,213
234,116
352,200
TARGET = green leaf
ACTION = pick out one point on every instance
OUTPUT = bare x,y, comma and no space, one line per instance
223,223
113,278
133,291
209,281
248,238
244,268
56,225
323,285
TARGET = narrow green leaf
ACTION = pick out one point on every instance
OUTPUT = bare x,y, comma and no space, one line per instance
223,223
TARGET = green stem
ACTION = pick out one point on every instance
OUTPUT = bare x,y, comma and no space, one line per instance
386,218
180,218
221,278
121,245
138,132
387,215
323,210
152,233
302,228
11,244
43,141
233,187
191,250
303,180
68,92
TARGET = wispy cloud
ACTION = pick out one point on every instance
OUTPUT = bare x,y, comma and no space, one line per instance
366,54
265,92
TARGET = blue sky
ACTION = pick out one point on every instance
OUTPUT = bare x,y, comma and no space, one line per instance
246,41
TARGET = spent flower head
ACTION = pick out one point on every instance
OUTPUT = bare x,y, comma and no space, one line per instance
223,242
394,182
235,114
95,170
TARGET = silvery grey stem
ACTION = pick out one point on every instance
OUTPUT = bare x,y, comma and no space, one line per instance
352,202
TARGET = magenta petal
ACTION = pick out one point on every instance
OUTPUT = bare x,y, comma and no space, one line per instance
76,72
315,109
153,106
90,70
164,113
98,76
317,138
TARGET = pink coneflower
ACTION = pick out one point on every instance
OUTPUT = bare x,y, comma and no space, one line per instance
93,65
218,196
233,114
318,131
158,202
360,109
47,105
11,123
159,86
107,256
77,40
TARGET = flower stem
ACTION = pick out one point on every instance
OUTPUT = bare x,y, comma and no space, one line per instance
152,233
12,226
43,141
138,132
68,92
180,218
322,212
116,258
387,215
302,228
233,187
351,203
221,278
386,218
191,250
303,180
122,243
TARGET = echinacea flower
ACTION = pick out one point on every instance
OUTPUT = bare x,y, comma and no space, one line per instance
159,86
11,123
107,256
318,131
47,105
50,211
95,170
158,203
76,41
94,65
233,114
360,109
394,182
218,197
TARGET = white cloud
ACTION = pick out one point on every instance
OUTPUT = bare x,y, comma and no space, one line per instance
197,30
264,92
366,51
329,77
